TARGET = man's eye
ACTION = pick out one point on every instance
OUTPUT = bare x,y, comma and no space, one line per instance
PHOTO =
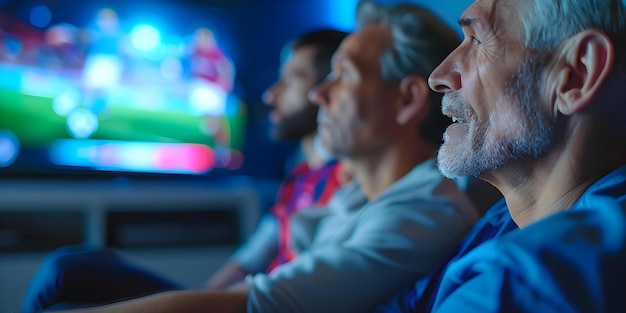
475,40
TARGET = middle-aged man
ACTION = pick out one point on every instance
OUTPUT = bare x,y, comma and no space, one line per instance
398,217
537,89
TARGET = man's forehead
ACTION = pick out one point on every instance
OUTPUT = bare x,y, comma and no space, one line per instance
368,42
301,56
303,52
490,13
490,7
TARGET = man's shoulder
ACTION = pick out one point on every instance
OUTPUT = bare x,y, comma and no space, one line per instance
571,259
601,228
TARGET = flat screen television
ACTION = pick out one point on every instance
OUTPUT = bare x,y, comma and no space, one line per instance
91,88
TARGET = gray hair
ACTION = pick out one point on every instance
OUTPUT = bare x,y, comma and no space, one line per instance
548,23
420,42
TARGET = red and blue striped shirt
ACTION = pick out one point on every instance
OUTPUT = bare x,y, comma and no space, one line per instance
305,187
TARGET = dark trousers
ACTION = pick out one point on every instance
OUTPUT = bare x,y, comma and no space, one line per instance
83,275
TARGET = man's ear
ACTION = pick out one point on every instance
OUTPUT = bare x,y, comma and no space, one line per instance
414,95
588,62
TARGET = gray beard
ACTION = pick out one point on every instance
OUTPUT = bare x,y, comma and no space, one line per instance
481,151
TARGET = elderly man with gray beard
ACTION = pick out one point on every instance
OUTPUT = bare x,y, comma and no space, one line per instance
537,89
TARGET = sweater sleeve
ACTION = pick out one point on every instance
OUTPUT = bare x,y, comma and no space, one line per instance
389,248
261,248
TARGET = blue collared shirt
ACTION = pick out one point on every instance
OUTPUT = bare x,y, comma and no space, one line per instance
573,261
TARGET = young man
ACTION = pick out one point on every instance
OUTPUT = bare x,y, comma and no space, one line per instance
306,62
398,216
537,90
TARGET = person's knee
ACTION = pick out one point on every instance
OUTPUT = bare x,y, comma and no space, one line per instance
58,258
45,285
64,258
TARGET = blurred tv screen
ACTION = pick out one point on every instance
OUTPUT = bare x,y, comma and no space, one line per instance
94,89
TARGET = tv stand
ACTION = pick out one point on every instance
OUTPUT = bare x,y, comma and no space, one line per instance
183,230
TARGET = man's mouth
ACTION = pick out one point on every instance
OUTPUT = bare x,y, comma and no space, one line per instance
456,119
454,107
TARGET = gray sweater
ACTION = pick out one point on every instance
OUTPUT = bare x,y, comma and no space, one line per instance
355,254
